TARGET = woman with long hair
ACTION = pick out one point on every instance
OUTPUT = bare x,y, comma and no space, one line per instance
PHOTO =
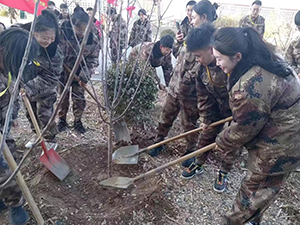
264,94
41,80
12,48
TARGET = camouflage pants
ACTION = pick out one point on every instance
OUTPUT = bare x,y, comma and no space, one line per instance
11,193
114,54
189,116
208,137
78,102
256,194
43,110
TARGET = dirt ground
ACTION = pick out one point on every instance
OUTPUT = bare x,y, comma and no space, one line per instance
163,199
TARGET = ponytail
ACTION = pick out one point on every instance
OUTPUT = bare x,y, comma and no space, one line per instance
205,7
231,40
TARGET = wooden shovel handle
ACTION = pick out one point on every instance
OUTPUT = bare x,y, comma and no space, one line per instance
82,84
31,113
34,121
228,119
156,170
22,184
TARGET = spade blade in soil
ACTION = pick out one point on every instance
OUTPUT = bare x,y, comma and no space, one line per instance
121,131
118,182
55,164
126,155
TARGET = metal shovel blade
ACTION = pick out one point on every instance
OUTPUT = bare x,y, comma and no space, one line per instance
121,131
118,182
55,164
126,155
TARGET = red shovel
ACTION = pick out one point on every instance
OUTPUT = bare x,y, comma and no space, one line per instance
50,158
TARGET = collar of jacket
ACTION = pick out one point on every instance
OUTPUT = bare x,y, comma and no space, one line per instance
156,51
241,68
140,22
185,21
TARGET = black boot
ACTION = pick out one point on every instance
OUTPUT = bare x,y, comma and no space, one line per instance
79,127
156,151
62,125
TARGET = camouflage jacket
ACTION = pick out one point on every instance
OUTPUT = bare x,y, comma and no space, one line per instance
70,50
213,99
266,120
141,32
292,55
183,80
5,98
118,33
62,20
144,51
41,77
185,28
258,24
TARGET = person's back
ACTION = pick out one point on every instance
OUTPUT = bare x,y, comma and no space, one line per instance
156,54
278,103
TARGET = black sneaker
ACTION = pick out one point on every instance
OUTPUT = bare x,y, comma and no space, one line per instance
62,125
156,151
192,171
79,127
18,216
188,162
220,182
252,223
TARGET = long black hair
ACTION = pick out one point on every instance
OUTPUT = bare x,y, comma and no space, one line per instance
231,40
79,18
205,7
44,22
12,44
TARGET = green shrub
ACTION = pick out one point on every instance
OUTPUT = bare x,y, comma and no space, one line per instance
167,32
145,97
226,21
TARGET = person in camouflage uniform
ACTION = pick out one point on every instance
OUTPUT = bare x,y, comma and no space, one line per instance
185,27
96,28
41,79
292,55
12,47
64,14
182,95
213,100
157,54
141,30
256,21
264,97
117,35
70,49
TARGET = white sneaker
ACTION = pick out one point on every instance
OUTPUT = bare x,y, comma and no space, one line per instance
30,143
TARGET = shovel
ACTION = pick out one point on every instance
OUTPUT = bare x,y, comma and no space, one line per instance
82,84
130,154
125,182
50,158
